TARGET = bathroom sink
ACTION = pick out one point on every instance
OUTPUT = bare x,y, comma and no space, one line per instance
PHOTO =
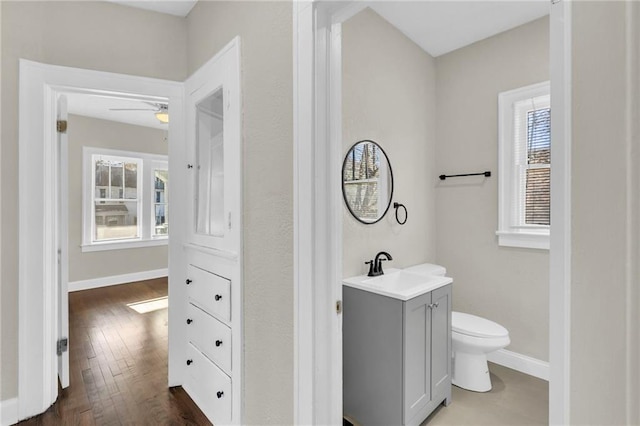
398,284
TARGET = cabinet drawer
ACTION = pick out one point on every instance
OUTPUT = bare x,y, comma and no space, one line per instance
211,336
208,386
210,292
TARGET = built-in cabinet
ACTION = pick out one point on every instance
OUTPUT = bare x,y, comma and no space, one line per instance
396,356
210,354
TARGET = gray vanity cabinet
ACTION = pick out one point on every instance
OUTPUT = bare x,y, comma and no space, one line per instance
396,356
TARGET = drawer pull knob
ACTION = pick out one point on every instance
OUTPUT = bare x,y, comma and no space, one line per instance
188,281
220,394
189,361
218,342
189,320
218,297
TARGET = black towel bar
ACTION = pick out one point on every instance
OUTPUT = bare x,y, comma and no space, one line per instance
486,174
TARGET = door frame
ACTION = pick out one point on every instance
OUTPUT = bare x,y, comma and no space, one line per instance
318,214
37,204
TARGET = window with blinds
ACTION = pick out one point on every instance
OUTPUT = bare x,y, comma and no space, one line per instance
537,202
525,166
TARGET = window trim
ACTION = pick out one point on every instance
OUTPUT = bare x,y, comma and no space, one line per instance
149,163
511,234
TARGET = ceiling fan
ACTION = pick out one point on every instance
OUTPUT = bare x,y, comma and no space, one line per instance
161,111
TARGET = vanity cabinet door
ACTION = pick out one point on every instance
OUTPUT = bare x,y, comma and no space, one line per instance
417,354
441,342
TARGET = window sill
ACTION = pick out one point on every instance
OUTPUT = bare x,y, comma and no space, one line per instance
534,240
122,245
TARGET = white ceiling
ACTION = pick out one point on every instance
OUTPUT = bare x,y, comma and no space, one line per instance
171,7
440,27
99,106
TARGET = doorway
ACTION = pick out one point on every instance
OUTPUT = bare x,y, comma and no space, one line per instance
318,93
40,239
113,202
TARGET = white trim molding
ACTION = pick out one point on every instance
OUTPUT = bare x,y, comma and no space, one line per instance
9,412
317,213
560,238
522,363
117,279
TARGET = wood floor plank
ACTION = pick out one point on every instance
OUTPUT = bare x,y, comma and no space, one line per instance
118,363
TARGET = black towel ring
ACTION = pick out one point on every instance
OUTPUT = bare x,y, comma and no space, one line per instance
406,215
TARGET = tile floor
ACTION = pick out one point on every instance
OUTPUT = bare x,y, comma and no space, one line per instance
516,399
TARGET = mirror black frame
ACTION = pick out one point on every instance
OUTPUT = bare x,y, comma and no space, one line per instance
344,195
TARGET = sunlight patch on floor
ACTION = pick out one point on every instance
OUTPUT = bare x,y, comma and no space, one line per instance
150,305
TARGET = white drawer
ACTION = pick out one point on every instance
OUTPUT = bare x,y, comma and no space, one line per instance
211,336
210,292
208,386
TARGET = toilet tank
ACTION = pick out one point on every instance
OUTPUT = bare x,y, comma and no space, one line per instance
427,269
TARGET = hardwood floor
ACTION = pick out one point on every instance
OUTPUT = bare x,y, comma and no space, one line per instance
118,363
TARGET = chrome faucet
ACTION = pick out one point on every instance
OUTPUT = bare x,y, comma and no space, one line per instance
375,266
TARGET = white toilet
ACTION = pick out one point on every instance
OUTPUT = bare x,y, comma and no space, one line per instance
473,338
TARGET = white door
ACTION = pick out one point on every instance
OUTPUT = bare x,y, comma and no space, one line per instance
62,237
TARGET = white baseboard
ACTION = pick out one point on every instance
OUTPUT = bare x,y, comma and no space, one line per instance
522,363
117,279
9,412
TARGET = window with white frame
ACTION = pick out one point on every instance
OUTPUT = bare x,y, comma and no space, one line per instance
125,201
525,167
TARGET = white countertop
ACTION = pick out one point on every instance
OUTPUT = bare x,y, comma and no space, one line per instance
398,283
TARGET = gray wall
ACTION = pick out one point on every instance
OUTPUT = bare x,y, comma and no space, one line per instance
505,284
604,293
92,132
266,30
77,34
389,96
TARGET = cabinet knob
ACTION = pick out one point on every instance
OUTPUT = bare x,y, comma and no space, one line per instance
435,305
219,394
188,281
218,342
189,320
218,297
189,361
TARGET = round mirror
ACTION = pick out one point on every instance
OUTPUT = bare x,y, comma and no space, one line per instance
367,181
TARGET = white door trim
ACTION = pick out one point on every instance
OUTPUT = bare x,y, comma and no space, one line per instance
317,211
37,229
560,237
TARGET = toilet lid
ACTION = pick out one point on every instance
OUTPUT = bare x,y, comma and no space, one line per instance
472,325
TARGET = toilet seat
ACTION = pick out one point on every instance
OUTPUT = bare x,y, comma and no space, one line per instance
471,325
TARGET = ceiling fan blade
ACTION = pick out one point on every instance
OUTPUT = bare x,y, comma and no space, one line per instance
132,109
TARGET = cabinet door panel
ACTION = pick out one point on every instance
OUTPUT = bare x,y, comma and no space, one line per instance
417,374
441,340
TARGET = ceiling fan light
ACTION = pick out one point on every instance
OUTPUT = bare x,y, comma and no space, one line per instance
162,116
